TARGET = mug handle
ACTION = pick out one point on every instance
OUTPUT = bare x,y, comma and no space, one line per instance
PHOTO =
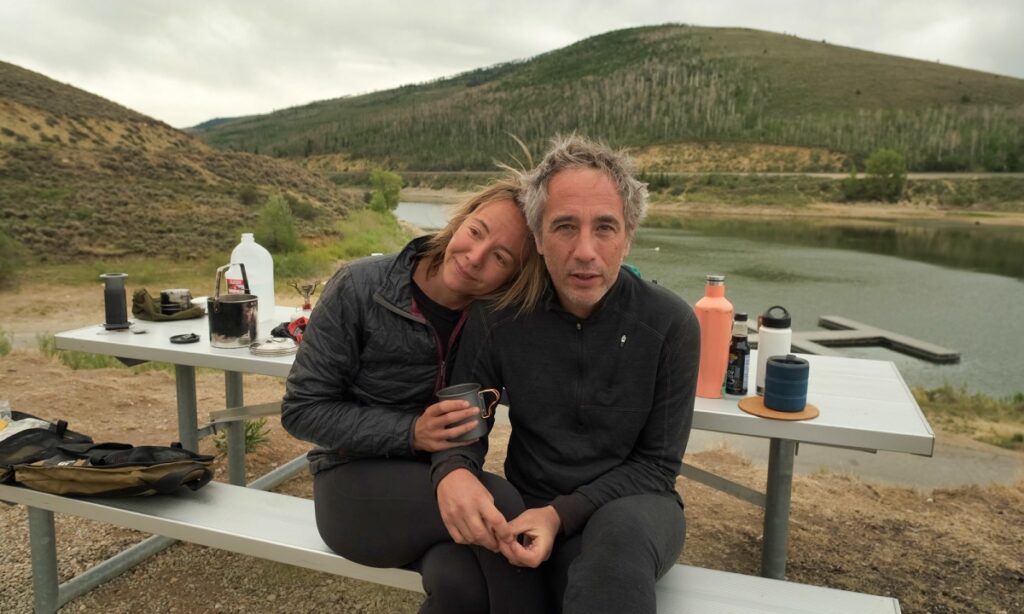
490,407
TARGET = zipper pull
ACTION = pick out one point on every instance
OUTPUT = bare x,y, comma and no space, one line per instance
622,341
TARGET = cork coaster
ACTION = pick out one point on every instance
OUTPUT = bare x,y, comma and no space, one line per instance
755,406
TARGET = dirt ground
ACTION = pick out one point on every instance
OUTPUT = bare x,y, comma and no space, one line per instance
937,551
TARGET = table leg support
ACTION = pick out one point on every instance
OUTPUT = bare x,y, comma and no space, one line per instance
776,512
233,393
44,561
188,423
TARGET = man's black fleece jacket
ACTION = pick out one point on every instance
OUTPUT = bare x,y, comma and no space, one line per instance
600,408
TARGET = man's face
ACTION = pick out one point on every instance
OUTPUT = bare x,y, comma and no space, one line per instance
583,237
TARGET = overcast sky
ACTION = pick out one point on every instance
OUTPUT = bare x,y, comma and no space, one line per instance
187,61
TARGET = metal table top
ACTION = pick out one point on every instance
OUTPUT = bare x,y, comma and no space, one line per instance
863,403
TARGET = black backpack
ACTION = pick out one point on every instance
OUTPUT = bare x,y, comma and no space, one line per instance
34,444
59,461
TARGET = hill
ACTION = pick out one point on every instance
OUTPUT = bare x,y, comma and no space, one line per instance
81,176
667,91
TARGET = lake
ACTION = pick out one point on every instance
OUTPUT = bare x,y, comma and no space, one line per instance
960,286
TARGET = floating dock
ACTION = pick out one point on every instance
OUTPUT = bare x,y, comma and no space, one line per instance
844,332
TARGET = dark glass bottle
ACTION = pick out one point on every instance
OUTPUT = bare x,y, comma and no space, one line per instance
739,357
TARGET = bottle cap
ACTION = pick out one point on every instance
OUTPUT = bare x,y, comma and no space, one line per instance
776,317
715,280
741,316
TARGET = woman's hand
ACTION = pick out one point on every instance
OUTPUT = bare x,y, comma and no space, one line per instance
431,432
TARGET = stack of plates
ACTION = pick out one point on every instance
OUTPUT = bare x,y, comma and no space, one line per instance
273,346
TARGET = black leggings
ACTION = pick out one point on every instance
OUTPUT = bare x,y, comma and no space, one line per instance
613,564
383,513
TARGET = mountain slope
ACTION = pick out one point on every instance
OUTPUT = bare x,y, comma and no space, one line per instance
81,176
665,85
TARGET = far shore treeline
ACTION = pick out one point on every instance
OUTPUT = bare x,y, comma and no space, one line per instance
665,85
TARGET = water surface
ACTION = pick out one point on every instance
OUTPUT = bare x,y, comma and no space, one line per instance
955,285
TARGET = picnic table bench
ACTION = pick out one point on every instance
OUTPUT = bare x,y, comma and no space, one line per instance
865,405
282,528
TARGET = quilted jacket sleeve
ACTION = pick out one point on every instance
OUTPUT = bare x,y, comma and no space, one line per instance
318,405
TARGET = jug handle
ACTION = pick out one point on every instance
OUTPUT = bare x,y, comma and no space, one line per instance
220,276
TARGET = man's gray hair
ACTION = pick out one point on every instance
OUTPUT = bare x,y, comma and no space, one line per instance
575,151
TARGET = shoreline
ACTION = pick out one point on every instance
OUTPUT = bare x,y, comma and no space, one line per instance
825,211
865,212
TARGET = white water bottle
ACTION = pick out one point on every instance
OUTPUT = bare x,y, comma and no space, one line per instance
259,268
774,337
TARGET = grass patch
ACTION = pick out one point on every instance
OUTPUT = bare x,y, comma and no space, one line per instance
156,272
363,232
993,193
997,421
5,342
85,360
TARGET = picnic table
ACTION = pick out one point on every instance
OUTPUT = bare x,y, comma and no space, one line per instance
864,404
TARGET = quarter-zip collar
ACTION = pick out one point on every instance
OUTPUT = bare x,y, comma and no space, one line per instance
551,302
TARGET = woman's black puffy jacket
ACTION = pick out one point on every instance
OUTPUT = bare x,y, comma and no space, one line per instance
368,366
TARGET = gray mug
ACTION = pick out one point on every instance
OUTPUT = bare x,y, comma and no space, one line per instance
472,394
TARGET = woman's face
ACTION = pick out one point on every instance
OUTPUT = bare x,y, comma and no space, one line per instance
486,250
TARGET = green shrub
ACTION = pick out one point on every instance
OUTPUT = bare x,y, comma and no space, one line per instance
365,231
886,178
12,258
302,209
386,188
656,182
275,229
852,188
256,433
249,195
888,170
5,342
309,263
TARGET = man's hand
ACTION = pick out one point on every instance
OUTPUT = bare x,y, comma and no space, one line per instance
431,432
536,528
467,509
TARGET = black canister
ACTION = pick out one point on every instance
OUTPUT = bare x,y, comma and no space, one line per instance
115,302
785,383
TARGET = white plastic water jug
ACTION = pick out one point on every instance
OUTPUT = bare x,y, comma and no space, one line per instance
259,268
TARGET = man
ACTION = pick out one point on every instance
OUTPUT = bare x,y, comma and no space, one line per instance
600,380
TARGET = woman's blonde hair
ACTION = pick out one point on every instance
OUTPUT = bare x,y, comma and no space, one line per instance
527,285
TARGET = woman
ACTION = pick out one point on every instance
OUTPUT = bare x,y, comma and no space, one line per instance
363,389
